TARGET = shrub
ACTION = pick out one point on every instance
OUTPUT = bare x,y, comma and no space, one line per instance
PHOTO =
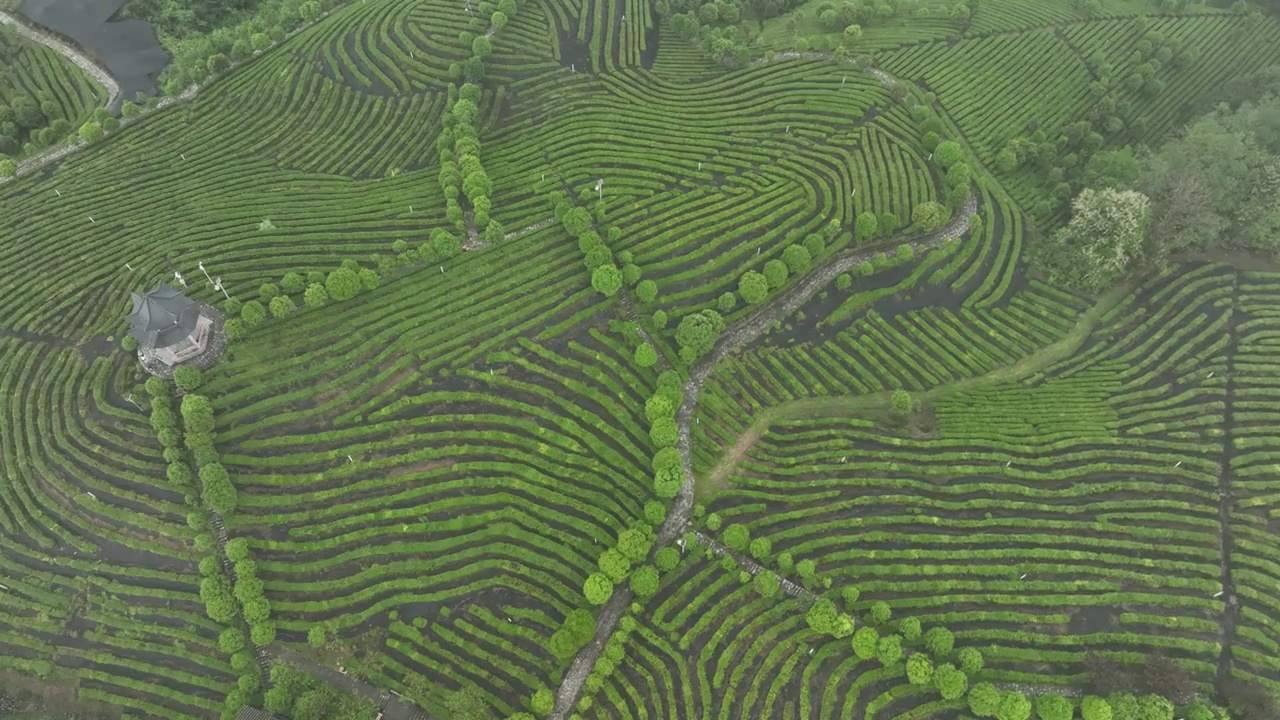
865,642
753,287
879,612
667,559
951,683
252,313
598,588
342,284
919,669
970,660
281,305
644,582
1013,706
775,273
645,356
1052,706
736,537
543,702
909,628
760,548
889,650
664,432
1093,707
929,216
797,259
634,544
939,641
984,700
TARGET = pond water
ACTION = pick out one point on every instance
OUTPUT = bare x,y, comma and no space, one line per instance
128,49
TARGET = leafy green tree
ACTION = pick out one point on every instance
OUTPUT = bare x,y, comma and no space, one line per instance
576,221
667,559
498,19
598,588
1154,707
948,153
951,683
659,406
984,700
775,273
697,334
543,702
613,564
91,132
886,223
970,660
760,548
231,640
797,259
315,296
753,287
1013,706
736,537
260,41
1117,169
919,669
8,167
909,628
368,279
879,613
607,280
1124,706
1052,706
292,283
481,47
889,650
822,616
663,432
900,402
645,356
342,284
726,302
179,473
634,544
866,225
929,216
766,584
281,305
644,582
1103,240
667,482
939,641
252,313
1093,707
865,642
186,377
647,291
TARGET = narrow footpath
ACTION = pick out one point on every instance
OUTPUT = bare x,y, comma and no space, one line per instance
735,337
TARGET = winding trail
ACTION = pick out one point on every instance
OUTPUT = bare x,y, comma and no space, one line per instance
77,58
733,338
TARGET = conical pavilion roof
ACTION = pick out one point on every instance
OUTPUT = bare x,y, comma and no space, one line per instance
162,317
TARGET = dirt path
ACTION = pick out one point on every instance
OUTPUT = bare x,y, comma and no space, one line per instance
845,405
77,58
735,337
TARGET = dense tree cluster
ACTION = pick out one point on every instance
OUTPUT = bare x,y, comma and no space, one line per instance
299,696
1213,186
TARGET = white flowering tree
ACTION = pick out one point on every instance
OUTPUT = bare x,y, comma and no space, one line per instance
1103,240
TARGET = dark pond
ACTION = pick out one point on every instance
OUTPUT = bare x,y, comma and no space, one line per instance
128,49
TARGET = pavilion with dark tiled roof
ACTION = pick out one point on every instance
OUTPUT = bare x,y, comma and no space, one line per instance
170,324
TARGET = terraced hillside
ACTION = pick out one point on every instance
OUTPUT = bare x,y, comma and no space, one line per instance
564,374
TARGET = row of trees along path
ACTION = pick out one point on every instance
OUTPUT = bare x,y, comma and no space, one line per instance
733,338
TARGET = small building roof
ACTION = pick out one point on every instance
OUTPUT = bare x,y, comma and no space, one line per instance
162,317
